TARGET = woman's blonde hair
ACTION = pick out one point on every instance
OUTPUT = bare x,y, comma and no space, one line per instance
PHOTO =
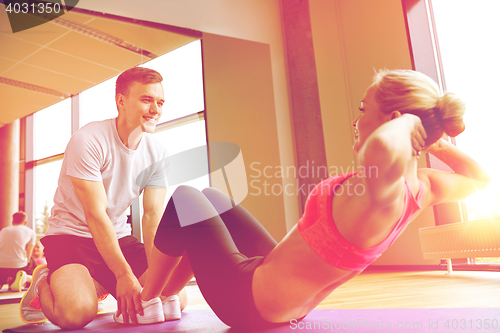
412,92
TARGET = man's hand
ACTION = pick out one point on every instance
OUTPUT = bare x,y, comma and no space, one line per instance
128,298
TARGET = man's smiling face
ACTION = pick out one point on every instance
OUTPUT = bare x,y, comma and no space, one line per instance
142,106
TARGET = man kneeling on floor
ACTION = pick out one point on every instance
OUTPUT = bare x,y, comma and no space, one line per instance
16,245
107,164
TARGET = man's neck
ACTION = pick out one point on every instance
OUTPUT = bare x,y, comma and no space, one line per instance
130,137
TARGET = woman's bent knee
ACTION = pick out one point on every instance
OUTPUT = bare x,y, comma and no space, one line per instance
192,206
221,201
185,190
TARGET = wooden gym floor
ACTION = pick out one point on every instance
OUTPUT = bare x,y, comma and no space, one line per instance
370,290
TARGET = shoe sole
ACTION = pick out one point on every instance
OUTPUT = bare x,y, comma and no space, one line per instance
153,320
37,269
100,307
172,316
144,321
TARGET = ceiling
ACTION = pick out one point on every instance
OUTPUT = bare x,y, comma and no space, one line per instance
50,62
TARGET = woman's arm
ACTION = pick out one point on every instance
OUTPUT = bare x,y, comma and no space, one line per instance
386,154
458,161
468,177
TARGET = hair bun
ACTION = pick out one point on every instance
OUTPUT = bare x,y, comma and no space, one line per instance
450,111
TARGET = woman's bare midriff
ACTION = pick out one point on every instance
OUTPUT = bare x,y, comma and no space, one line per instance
288,284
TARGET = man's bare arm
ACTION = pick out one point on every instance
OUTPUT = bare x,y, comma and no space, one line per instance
93,198
29,251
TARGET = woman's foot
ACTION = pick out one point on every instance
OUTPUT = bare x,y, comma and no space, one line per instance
171,307
153,313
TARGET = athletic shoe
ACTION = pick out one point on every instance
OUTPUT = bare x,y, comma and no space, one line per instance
153,313
100,291
171,307
100,307
101,296
19,282
30,308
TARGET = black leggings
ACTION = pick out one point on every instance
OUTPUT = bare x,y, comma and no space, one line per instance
224,244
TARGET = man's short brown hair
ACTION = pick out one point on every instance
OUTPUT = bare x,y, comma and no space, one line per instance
18,218
136,74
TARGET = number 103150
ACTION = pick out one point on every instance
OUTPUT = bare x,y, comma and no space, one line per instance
33,8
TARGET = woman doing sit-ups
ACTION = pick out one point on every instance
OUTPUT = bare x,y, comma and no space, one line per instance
250,281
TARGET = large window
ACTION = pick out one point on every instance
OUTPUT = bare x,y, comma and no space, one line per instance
181,128
182,81
52,129
455,42
469,44
98,102
182,124
51,133
46,176
181,139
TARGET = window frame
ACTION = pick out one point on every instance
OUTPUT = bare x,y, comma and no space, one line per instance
426,58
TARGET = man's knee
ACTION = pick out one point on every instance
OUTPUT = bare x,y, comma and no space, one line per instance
76,316
75,298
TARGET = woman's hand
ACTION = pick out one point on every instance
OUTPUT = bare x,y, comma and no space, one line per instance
437,146
417,133
389,149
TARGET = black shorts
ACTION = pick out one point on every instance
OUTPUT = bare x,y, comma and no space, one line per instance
61,250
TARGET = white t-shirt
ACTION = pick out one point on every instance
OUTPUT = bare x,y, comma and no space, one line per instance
13,241
96,153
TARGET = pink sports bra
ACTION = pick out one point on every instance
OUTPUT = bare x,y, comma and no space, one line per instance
319,231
